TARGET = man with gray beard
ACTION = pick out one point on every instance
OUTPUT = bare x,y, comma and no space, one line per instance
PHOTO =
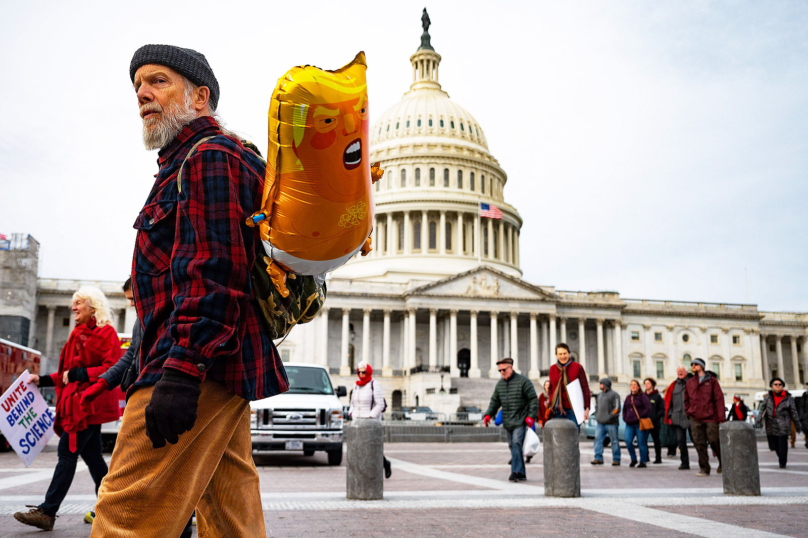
185,438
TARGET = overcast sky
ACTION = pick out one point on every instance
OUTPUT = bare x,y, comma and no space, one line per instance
655,149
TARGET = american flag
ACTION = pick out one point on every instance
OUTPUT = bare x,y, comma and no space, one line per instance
490,211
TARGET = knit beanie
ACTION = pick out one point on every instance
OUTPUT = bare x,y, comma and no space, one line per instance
700,362
187,62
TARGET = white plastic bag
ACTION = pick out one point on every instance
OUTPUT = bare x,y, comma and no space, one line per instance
532,443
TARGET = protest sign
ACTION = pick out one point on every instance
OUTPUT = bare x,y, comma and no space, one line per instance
577,400
25,419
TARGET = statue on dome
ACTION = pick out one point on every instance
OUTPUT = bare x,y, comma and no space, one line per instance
425,38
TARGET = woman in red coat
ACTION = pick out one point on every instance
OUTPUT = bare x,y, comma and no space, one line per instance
92,348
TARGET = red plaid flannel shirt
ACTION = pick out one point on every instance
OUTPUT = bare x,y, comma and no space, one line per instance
191,269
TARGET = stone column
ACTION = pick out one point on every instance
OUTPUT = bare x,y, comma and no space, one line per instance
755,360
407,234
516,247
454,371
501,241
474,370
323,337
49,334
72,321
582,341
601,354
618,346
459,233
386,370
115,319
534,372
476,241
492,369
442,233
545,345
764,359
411,360
490,255
424,232
344,366
804,360
391,246
509,242
366,335
727,366
670,367
553,341
515,339
433,338
781,370
506,339
795,361
563,336
649,361
129,319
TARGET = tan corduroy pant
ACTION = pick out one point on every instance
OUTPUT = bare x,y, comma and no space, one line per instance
152,492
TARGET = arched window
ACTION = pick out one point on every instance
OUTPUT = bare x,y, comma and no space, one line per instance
403,178
446,177
396,126
460,179
451,124
418,176
430,122
448,236
416,235
380,131
482,183
433,235
431,177
419,122
441,122
388,127
491,186
408,124
461,127
378,184
390,181
400,236
471,181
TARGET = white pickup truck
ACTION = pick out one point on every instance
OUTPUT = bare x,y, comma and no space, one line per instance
306,418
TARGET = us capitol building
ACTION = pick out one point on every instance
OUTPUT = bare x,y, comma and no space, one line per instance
441,298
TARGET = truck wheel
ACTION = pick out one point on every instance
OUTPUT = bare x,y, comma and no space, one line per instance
335,456
308,453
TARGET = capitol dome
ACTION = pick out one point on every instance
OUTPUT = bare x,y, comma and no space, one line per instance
438,175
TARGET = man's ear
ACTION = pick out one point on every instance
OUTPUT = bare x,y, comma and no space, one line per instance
201,98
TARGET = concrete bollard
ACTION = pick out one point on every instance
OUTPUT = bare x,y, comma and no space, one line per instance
562,459
365,476
739,459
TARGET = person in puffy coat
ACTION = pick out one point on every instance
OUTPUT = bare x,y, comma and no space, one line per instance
92,348
636,407
367,401
777,412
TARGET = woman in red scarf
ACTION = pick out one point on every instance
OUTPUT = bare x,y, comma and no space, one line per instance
738,411
367,401
92,348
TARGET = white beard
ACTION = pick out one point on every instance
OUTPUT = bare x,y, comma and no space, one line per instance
158,132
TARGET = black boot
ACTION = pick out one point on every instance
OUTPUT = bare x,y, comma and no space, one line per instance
387,469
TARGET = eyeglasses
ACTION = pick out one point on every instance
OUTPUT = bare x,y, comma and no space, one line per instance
361,372
773,384
503,370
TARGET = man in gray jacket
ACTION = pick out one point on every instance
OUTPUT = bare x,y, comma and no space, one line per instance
520,410
607,415
675,415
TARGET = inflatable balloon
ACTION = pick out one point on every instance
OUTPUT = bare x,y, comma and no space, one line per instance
317,210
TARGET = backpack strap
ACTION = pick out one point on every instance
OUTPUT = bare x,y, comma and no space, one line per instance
193,148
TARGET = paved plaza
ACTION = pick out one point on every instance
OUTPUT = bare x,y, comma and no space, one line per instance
446,490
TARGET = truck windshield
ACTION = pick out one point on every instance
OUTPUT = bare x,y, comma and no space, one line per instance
305,380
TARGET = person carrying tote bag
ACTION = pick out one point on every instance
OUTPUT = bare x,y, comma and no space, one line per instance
637,409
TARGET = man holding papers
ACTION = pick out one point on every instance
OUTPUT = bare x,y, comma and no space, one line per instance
570,389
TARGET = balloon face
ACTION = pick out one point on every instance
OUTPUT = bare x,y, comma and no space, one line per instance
335,148
318,196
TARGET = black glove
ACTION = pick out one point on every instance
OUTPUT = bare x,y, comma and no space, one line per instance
172,408
77,374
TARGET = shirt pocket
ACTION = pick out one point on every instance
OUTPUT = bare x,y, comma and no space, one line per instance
155,237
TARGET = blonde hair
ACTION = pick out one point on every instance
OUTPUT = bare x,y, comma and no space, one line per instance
97,301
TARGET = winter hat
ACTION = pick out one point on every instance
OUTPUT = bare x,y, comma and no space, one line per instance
506,360
187,62
777,379
606,382
700,362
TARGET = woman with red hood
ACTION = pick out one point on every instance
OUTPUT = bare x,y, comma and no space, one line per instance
367,401
92,348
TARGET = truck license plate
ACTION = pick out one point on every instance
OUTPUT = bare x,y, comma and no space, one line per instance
294,445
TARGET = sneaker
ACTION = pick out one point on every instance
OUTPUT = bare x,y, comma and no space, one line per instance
703,473
36,518
632,464
641,465
684,467
89,517
521,477
718,470
596,462
514,477
615,464
656,462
